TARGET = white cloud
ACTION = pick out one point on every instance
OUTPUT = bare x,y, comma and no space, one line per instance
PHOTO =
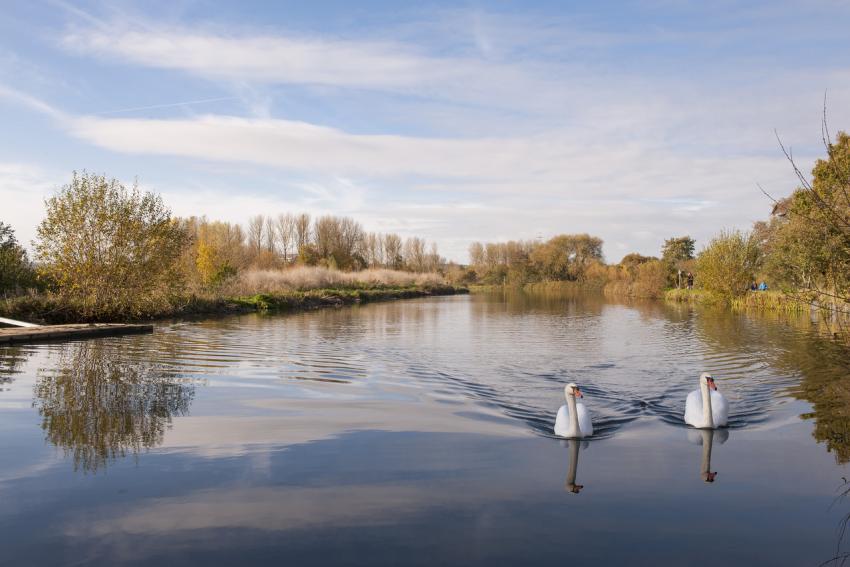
23,188
276,59
520,187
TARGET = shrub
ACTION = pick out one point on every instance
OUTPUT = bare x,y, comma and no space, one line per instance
726,266
16,271
108,249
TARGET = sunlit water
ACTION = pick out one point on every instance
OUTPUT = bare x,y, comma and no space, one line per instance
419,432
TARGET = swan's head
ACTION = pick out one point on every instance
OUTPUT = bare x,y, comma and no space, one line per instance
571,389
708,380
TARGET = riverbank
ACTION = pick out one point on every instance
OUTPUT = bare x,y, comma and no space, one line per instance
53,309
754,300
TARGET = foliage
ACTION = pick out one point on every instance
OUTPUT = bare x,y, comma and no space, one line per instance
808,248
728,264
97,411
677,250
677,255
566,256
637,276
16,271
109,249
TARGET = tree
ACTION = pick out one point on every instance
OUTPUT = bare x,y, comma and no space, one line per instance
676,250
476,254
392,251
16,271
257,234
677,255
111,250
302,234
220,252
809,244
728,264
566,256
285,231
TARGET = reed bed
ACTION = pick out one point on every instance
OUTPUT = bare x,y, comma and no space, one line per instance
303,278
770,301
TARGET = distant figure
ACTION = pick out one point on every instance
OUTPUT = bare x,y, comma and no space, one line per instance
762,286
690,281
753,286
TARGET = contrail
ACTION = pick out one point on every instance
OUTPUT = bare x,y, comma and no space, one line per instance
166,105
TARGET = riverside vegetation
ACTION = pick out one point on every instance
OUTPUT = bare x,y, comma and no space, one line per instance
803,250
107,252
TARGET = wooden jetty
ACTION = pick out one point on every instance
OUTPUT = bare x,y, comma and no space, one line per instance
23,332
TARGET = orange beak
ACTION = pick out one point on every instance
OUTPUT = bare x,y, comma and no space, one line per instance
711,384
578,393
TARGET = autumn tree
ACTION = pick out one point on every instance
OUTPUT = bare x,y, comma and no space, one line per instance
566,256
728,264
220,252
808,244
110,249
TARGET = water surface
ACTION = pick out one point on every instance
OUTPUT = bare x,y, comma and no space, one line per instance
419,432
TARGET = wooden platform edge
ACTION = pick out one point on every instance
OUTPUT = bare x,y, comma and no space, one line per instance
17,335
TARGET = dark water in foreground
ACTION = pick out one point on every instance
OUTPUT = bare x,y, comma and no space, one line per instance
418,432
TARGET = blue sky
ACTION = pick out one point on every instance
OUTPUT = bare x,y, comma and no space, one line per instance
634,121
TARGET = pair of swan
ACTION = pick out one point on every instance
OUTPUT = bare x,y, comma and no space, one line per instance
705,408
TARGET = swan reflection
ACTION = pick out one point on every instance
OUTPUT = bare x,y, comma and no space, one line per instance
707,438
574,446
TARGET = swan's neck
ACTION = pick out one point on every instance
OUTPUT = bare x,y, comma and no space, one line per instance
707,416
571,403
571,474
707,440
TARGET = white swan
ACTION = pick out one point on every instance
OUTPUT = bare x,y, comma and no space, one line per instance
573,419
705,407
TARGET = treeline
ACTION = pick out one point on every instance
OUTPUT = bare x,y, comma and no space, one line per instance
566,257
801,251
578,258
106,250
219,250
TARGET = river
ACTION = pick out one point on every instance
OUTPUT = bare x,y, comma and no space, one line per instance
420,432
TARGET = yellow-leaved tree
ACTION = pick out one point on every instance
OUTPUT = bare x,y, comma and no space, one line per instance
109,250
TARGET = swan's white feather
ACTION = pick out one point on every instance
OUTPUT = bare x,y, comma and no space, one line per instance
562,422
719,409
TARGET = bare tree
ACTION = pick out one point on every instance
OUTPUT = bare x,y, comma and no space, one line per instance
414,254
271,234
285,231
392,251
302,231
256,233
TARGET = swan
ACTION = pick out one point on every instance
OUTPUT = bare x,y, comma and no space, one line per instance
573,419
705,407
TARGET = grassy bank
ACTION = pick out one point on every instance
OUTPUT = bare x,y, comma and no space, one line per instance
751,301
51,308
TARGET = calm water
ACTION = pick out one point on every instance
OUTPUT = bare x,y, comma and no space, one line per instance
419,432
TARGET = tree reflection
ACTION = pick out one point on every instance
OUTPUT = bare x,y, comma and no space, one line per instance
816,369
98,406
11,359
